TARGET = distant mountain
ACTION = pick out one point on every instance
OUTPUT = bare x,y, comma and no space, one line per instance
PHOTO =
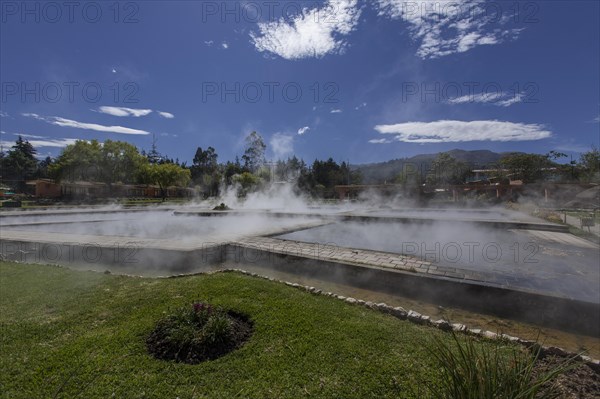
381,172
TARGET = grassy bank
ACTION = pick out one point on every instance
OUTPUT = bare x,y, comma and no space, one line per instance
73,334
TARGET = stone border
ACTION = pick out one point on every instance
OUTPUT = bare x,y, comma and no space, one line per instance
417,318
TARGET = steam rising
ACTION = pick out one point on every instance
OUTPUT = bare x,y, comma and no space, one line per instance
462,239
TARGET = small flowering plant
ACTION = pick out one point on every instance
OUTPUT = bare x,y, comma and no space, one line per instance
198,332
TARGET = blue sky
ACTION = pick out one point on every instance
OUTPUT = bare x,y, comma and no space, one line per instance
351,79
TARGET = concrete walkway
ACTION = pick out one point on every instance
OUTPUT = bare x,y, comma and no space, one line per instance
360,257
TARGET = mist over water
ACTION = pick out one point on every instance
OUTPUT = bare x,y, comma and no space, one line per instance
549,261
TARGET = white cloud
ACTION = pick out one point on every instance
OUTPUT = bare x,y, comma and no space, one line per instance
360,106
510,100
29,136
449,131
113,70
58,121
32,115
57,143
500,99
45,141
167,115
3,114
335,111
122,111
281,145
225,45
446,27
313,32
93,126
380,141
303,130
6,144
209,42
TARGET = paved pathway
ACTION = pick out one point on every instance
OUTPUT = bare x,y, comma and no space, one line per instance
539,278
359,257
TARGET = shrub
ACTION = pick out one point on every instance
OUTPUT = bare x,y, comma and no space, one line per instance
192,334
470,370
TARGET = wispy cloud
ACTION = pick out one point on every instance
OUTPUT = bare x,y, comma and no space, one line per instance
167,115
225,45
449,131
336,111
45,141
446,27
122,111
313,33
380,141
281,145
57,143
28,136
58,121
93,126
3,114
303,130
500,99
360,106
209,42
135,112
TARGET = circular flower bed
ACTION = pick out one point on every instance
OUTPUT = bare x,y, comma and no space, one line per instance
199,332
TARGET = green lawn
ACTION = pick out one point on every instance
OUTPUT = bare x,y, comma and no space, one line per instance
71,334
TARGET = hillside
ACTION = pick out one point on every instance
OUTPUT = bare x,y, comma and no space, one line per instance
387,171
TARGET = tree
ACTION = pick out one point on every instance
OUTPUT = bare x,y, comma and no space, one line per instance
43,167
20,164
205,171
528,167
254,155
589,164
78,161
205,162
120,162
231,169
154,156
110,162
247,180
446,170
165,175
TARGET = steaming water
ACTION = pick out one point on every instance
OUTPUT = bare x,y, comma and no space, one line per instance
553,262
159,225
557,262
456,214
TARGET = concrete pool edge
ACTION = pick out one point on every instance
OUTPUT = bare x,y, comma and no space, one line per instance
566,314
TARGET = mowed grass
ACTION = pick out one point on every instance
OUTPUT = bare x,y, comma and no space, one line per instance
70,334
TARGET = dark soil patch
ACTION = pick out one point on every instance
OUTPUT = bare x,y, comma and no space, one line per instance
162,347
581,381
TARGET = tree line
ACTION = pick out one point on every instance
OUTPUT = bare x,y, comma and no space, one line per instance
118,162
